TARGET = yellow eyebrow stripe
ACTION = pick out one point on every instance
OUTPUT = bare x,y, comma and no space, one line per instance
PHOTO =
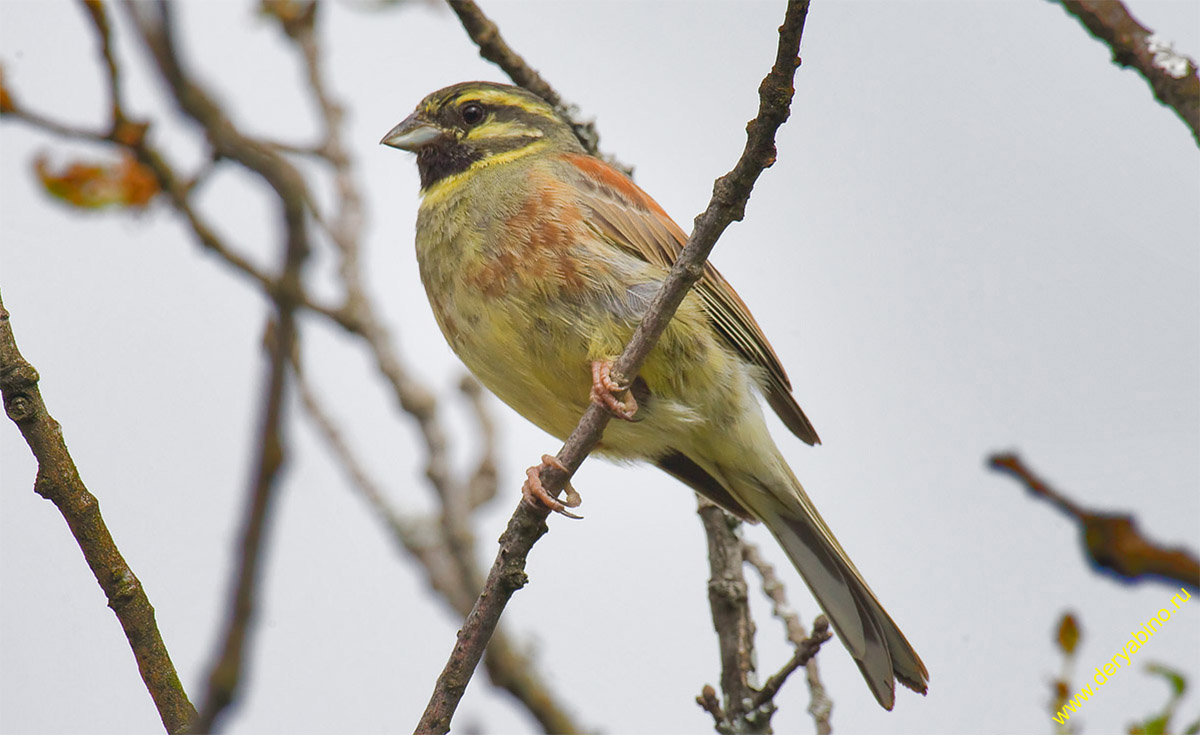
506,99
446,186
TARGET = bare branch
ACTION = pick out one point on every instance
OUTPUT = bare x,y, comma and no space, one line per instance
1171,75
99,18
507,667
58,481
154,24
492,47
528,524
805,653
452,568
1113,542
484,480
729,600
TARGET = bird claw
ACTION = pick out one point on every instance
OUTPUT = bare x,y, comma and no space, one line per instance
535,493
605,391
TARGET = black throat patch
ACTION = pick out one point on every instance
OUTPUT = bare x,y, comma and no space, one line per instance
436,162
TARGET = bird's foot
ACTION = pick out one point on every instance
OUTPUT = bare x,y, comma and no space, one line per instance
535,494
605,391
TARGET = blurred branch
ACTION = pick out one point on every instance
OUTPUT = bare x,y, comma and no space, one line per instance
154,24
1171,75
1113,542
484,481
104,32
820,706
423,539
493,47
58,481
528,524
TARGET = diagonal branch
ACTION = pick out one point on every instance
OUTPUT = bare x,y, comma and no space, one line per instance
507,667
1113,542
1171,75
528,524
805,653
495,49
58,481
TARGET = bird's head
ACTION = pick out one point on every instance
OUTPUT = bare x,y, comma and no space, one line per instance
477,124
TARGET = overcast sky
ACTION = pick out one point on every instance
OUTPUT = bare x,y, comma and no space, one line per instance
980,235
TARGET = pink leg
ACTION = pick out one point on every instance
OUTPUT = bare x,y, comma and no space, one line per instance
535,494
605,391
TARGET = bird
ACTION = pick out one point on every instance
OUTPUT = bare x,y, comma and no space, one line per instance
539,261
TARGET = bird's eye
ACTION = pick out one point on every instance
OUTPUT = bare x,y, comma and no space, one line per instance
472,113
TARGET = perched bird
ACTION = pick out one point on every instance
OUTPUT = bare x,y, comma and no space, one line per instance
539,261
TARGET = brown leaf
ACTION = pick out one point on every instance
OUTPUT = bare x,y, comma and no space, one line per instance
125,183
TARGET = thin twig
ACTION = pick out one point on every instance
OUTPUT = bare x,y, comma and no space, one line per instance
58,481
1171,75
484,481
528,524
804,653
773,588
493,47
1113,542
507,666
99,17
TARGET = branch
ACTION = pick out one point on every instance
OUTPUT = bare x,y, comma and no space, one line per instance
729,600
154,24
451,568
1172,76
58,481
424,540
1113,542
492,47
748,709
805,654
528,524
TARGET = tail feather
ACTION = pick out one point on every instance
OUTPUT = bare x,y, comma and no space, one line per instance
874,640
880,650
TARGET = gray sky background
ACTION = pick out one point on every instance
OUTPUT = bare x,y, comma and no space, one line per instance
980,235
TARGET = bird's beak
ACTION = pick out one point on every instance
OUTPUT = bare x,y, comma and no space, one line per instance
413,134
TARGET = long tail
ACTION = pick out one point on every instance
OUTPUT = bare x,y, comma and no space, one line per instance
881,651
868,632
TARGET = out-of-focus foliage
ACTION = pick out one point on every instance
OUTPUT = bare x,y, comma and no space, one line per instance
125,183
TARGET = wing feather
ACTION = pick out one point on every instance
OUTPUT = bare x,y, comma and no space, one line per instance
628,217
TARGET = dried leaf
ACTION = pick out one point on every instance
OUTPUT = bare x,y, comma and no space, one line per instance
125,183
